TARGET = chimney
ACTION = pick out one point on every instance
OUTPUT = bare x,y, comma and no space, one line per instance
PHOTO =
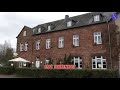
66,17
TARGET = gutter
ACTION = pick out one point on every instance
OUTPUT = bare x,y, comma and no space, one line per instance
110,51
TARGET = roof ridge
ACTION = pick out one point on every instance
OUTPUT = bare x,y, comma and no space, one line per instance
60,19
80,20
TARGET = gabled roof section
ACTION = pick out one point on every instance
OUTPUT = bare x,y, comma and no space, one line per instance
25,27
79,21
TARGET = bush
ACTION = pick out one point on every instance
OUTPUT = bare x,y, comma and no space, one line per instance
29,72
67,60
7,70
66,73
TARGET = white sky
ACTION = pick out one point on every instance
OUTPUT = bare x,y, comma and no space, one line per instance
11,23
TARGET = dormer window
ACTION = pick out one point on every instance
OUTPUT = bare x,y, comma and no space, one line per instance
96,18
24,33
49,28
33,31
39,30
69,23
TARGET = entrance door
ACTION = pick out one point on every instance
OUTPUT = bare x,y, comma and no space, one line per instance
78,62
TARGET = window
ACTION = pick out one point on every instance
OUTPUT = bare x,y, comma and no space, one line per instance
76,40
96,18
37,45
21,47
78,62
39,30
24,33
69,23
97,38
48,44
61,42
49,28
98,63
47,61
26,46
33,31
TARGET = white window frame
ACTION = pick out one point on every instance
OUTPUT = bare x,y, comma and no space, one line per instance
39,30
95,59
26,46
37,45
47,62
48,43
96,18
78,60
49,28
69,23
21,47
24,33
33,31
61,42
76,40
97,36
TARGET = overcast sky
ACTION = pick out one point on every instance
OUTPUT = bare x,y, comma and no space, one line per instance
11,23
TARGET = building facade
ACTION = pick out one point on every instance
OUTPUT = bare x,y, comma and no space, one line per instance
92,41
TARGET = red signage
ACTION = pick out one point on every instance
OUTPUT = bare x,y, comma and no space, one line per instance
59,66
64,66
48,66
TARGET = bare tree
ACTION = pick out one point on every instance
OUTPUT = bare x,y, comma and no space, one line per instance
6,52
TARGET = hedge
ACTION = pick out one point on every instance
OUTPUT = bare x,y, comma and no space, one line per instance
66,73
7,70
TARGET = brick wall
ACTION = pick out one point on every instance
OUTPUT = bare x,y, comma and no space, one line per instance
86,48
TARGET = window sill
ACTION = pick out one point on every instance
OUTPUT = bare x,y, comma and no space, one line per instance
60,47
23,51
75,46
97,44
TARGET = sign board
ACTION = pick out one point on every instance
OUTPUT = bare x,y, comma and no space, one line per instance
59,66
37,64
64,66
48,66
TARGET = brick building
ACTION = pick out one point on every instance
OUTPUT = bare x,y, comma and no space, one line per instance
92,41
